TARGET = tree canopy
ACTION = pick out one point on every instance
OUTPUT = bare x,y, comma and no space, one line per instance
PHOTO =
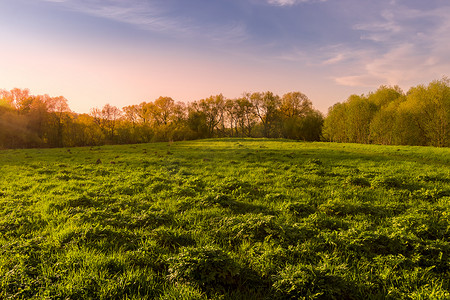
386,116
43,121
391,117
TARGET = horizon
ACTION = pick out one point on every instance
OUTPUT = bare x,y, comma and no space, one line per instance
96,52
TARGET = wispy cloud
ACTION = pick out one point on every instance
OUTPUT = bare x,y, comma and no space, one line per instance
339,57
153,16
405,46
140,13
393,42
291,2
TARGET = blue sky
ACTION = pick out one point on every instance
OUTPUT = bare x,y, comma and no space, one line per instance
124,52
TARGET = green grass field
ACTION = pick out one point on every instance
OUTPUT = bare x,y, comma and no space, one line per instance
225,219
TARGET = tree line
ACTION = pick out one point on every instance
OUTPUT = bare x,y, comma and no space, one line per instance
387,116
43,121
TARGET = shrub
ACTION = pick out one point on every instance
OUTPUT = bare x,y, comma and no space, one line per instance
252,227
235,186
323,221
387,182
171,238
358,181
220,199
430,194
207,267
275,197
300,209
150,219
182,292
312,282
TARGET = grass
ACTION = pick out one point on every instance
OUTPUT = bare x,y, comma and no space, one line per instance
225,219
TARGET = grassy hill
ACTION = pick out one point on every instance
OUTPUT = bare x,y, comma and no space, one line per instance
225,219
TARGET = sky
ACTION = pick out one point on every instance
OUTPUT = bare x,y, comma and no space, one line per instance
124,52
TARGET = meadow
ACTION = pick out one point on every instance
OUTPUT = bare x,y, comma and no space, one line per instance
225,219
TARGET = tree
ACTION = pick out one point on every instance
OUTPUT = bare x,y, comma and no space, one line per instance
384,125
385,95
197,123
406,129
298,116
162,110
107,119
131,114
20,99
430,108
266,109
211,111
59,114
335,127
295,104
311,126
5,101
359,115
38,118
84,131
13,130
232,116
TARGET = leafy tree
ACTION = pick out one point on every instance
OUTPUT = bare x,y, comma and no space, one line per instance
232,116
244,115
59,115
167,117
385,95
5,101
84,131
211,111
385,116
384,127
20,99
143,111
13,130
38,119
17,112
162,110
131,114
299,119
311,126
359,115
295,104
197,123
407,130
107,119
430,107
266,106
335,127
